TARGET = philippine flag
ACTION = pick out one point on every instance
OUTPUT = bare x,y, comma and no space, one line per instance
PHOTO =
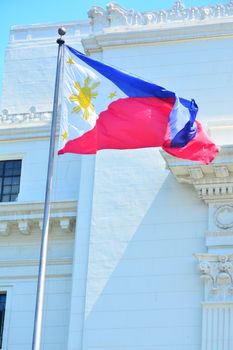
105,108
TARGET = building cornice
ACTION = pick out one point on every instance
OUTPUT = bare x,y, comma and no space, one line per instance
150,35
115,25
115,15
45,33
24,216
213,182
25,126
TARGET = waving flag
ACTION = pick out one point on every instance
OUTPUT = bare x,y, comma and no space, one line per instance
105,108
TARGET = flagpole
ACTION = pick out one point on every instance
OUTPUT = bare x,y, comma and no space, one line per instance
36,341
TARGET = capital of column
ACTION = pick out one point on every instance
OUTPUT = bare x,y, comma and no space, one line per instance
217,273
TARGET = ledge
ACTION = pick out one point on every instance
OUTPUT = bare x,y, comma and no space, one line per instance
46,33
26,217
116,25
14,126
139,35
212,182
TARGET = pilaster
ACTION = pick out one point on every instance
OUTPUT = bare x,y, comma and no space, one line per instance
214,185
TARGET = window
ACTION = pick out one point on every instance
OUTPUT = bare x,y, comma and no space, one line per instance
2,315
10,171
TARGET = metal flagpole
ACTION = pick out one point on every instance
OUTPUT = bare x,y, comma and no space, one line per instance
45,228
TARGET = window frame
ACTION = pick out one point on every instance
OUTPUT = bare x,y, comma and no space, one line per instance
3,319
8,289
13,157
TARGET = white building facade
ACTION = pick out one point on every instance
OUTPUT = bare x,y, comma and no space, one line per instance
141,243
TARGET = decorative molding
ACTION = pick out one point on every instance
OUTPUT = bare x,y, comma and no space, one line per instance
116,26
116,16
213,182
219,237
32,116
40,224
25,217
217,308
21,276
217,273
24,227
4,228
221,171
196,173
222,233
67,225
150,35
44,34
34,262
223,217
33,124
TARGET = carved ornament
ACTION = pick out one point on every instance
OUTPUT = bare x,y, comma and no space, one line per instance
213,182
224,217
27,218
32,116
115,15
217,273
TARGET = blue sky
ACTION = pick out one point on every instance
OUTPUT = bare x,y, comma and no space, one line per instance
14,12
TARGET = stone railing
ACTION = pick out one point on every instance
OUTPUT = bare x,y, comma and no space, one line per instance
32,116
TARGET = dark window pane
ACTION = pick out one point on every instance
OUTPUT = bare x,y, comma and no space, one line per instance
8,172
17,163
13,197
16,171
1,316
2,301
0,183
15,180
1,171
9,164
7,181
6,189
15,189
5,198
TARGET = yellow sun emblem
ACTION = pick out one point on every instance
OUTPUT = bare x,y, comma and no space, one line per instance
84,97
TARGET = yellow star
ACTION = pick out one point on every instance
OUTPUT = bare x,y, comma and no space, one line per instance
70,61
112,95
64,135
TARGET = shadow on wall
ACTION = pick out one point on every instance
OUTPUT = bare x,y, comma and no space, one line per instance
143,288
